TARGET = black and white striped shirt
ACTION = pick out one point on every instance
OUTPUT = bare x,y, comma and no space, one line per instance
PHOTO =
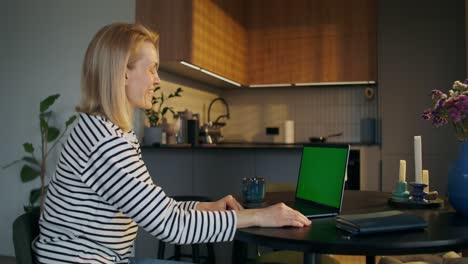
101,192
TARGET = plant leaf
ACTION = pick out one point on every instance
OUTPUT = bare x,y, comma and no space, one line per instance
28,147
46,114
28,173
46,103
31,160
70,120
28,208
34,196
52,134
44,126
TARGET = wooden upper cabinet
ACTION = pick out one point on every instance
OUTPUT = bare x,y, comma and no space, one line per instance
307,41
208,34
268,41
219,38
173,21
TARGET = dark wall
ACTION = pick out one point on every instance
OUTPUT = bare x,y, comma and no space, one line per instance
421,46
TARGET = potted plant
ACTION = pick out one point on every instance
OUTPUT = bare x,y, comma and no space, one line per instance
155,115
36,166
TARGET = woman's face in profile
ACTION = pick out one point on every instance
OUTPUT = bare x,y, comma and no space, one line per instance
141,79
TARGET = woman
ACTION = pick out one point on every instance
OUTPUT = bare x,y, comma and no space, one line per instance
101,190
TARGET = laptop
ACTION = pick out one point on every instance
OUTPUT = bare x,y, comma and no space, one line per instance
321,180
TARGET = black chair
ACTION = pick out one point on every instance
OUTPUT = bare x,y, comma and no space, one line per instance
25,229
196,258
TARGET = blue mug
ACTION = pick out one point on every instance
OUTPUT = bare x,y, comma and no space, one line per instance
253,190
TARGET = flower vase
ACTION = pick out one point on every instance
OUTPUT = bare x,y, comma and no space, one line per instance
458,181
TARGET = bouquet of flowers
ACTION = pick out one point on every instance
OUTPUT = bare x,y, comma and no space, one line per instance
451,108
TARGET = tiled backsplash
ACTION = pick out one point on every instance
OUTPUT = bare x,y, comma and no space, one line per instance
315,111
195,97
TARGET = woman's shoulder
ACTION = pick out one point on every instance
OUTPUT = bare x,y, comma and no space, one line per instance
96,128
95,131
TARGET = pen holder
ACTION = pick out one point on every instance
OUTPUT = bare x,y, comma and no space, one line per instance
417,193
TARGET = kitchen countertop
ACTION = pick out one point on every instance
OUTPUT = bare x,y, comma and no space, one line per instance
248,145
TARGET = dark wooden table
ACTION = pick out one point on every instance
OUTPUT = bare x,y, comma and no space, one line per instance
446,231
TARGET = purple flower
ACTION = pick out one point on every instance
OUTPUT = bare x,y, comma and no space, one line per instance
439,121
455,114
427,114
436,94
450,102
452,108
440,104
463,104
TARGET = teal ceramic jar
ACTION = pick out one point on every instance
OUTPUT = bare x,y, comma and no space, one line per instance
253,190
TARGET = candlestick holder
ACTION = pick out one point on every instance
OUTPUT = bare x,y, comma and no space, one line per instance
401,193
417,193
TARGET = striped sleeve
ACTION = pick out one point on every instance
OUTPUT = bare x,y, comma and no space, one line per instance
188,205
112,172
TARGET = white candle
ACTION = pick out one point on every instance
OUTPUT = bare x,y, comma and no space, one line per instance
425,179
402,175
289,131
417,159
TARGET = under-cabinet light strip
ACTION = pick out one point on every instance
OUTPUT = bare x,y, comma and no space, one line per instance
220,77
270,85
334,83
274,84
210,73
190,65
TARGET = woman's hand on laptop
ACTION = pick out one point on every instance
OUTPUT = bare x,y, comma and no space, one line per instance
226,203
272,216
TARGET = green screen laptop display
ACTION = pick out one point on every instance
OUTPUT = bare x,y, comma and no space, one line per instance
321,176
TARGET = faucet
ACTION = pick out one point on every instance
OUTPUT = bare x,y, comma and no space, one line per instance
216,123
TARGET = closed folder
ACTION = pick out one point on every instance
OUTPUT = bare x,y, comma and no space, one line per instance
379,222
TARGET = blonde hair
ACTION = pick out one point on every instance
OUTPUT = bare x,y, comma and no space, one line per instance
112,50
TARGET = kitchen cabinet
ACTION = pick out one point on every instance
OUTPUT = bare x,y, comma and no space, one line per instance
208,34
266,42
311,41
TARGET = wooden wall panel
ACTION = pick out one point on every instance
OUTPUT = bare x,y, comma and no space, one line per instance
311,41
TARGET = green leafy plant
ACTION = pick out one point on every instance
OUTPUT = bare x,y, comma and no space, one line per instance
35,166
157,112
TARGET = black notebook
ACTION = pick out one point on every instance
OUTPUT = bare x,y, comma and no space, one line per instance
379,222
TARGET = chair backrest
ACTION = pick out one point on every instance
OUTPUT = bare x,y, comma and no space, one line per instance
25,229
